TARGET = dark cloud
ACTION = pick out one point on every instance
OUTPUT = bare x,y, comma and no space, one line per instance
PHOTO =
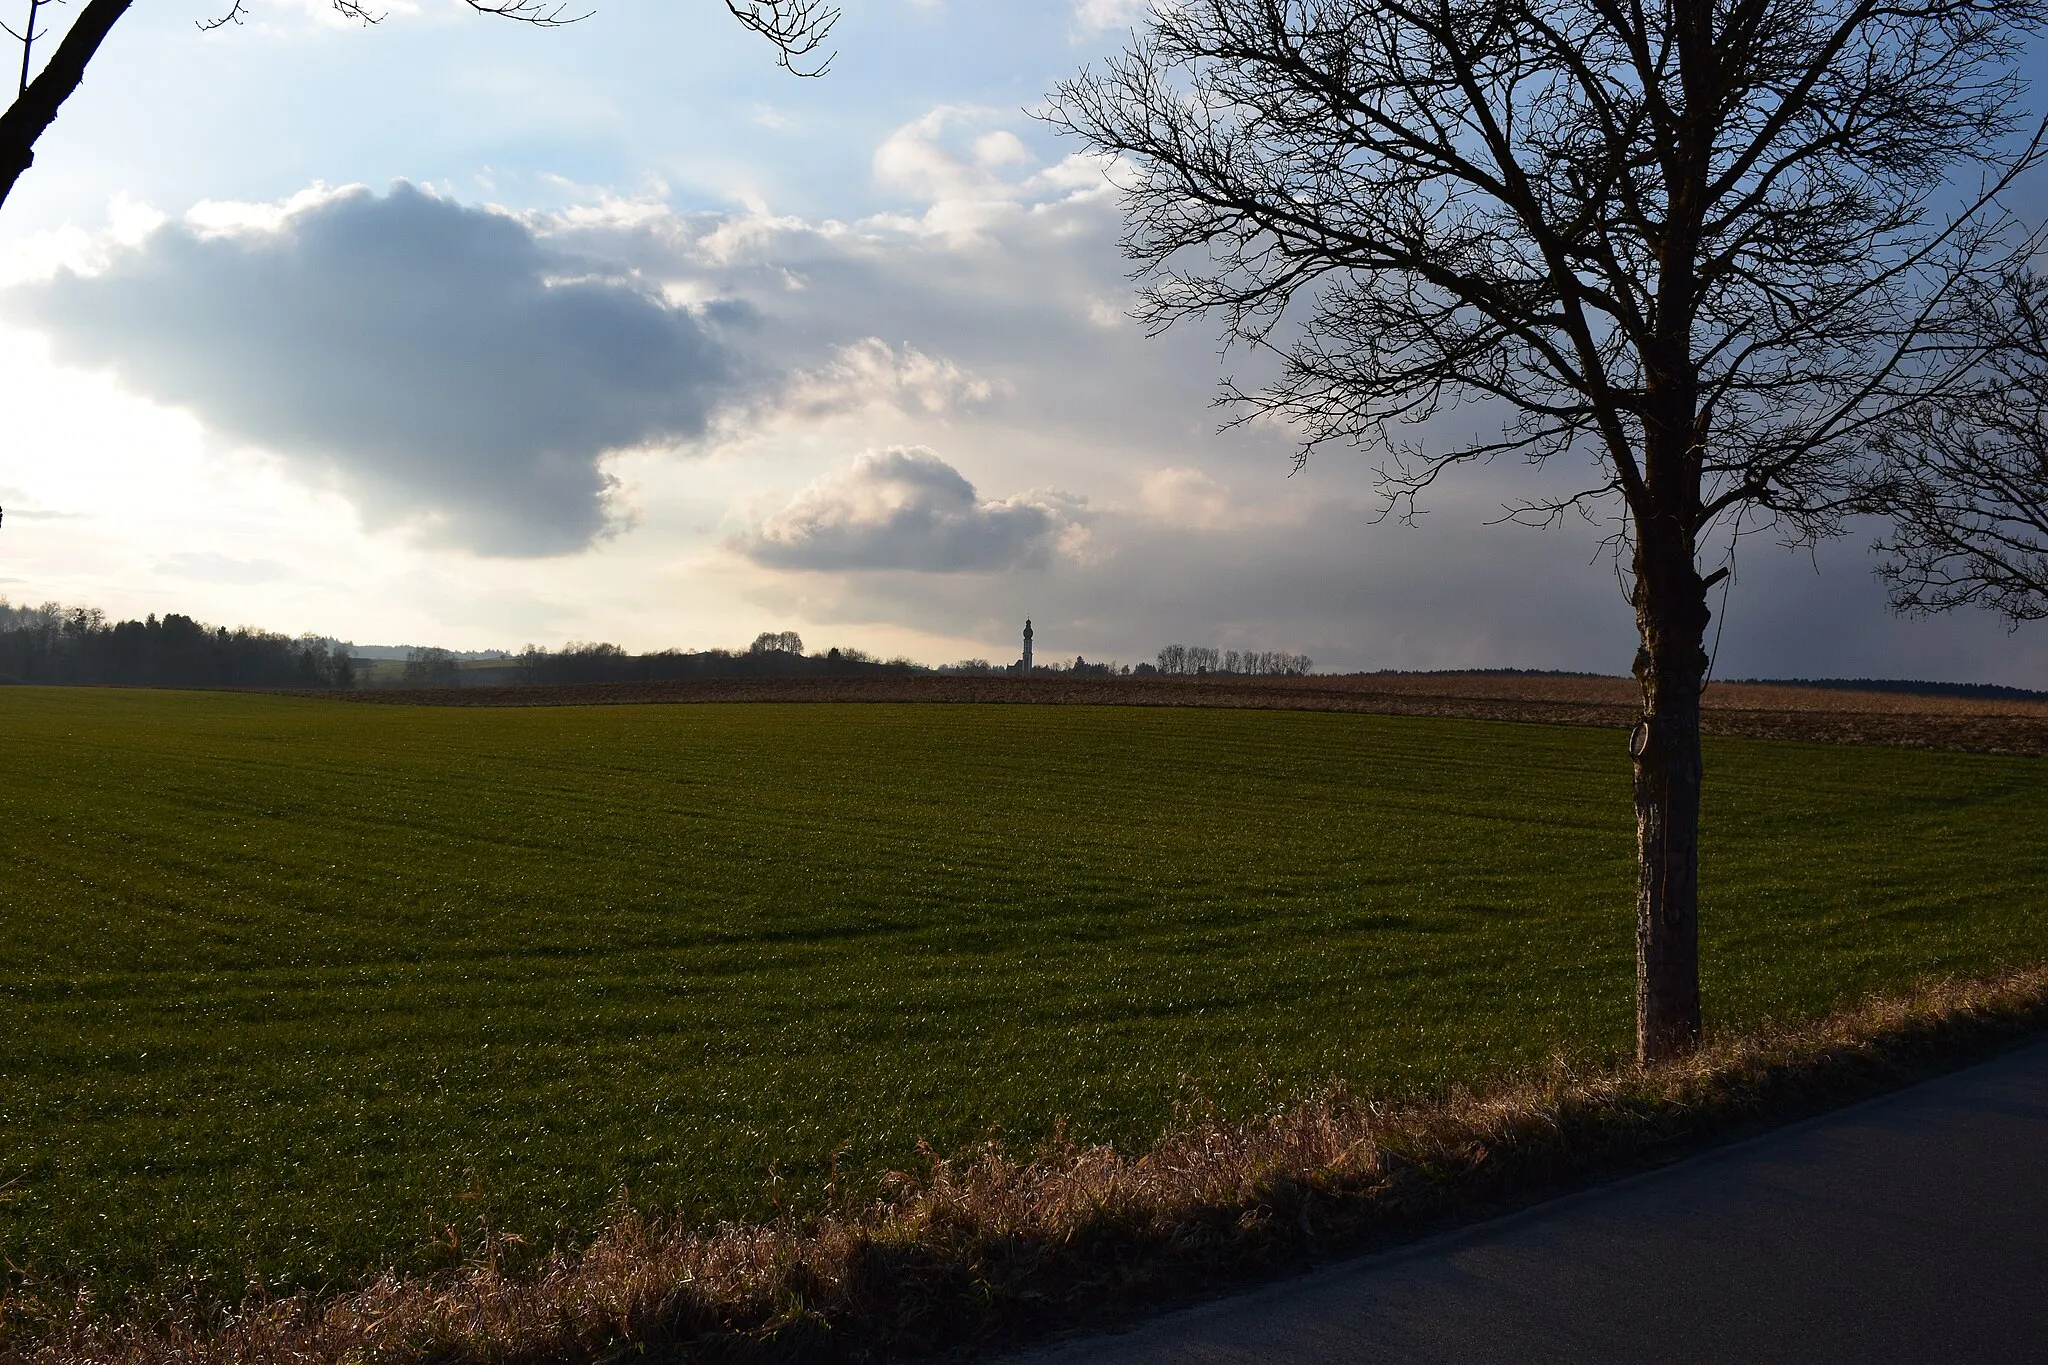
441,362
1326,582
907,509
1823,614
1355,592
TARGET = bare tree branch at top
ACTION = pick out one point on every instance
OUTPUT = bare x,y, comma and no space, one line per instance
1710,245
798,30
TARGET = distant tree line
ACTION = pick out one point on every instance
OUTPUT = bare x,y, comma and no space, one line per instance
1182,660
774,654
56,644
1908,686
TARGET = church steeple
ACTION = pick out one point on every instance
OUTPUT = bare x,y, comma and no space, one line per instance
1027,644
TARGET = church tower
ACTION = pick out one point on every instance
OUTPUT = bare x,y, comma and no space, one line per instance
1027,644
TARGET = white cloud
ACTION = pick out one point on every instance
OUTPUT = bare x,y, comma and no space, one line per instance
1178,495
21,507
1097,16
1102,312
972,178
1187,497
1001,148
871,374
209,567
905,508
43,254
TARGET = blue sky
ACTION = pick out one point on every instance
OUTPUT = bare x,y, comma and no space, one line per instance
453,330
643,96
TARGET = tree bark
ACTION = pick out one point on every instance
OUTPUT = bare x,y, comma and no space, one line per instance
1671,618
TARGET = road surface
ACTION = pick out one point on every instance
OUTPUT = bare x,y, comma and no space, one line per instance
1910,1228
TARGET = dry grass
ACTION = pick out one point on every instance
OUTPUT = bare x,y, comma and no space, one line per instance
984,1249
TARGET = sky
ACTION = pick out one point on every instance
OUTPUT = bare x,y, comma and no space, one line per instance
456,331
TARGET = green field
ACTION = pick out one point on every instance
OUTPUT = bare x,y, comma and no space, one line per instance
293,986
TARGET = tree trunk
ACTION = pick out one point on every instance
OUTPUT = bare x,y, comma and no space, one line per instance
1671,618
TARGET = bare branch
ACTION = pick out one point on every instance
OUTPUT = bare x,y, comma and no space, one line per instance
27,38
797,28
1964,480
233,16
535,12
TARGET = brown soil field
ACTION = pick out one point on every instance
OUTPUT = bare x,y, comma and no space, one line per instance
1824,715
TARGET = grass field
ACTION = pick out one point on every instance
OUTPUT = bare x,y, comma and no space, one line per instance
294,987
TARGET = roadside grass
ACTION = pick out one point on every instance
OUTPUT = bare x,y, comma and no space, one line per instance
299,990
983,1251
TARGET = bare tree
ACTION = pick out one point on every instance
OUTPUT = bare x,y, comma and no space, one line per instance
798,29
1702,245
1965,479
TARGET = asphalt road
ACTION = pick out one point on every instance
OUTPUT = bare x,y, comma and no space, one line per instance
1910,1228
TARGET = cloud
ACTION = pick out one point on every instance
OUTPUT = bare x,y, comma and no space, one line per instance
1186,496
206,566
870,373
1327,584
905,508
972,178
443,365
1097,16
995,300
983,313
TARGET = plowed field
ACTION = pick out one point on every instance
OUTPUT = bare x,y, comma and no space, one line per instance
1752,710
